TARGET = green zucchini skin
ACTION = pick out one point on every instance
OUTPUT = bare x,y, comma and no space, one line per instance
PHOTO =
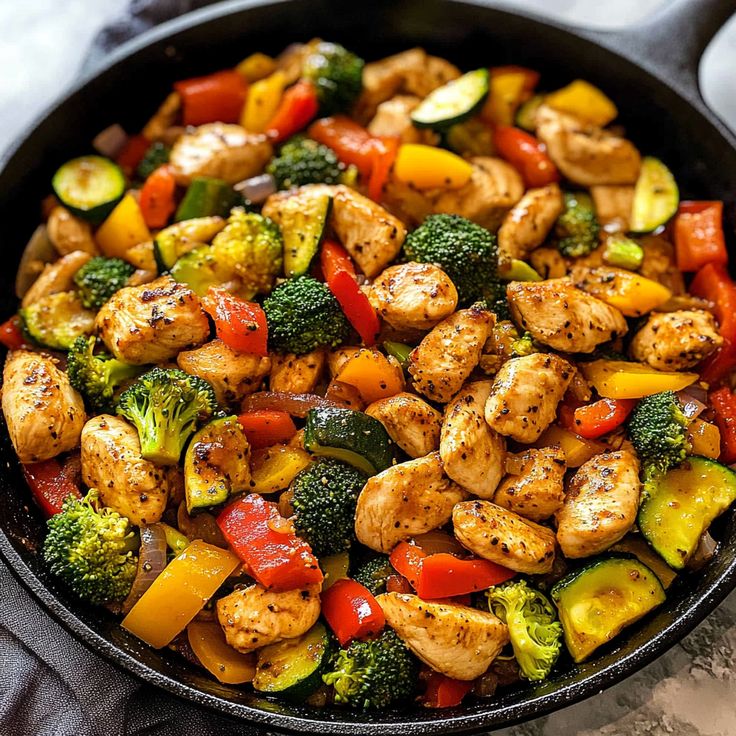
656,197
57,320
303,221
207,197
454,102
174,241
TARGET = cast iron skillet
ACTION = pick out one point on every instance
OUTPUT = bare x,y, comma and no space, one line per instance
651,73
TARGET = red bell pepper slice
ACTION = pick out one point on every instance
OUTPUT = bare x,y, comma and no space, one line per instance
49,485
698,232
274,555
267,427
11,334
526,154
444,692
384,155
333,258
157,197
594,420
723,403
239,324
356,306
297,107
132,154
351,611
217,97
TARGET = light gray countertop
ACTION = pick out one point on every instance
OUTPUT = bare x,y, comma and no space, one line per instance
690,691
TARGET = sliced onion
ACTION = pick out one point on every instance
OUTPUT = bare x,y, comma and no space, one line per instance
257,189
39,251
704,552
295,404
345,395
437,541
202,526
692,408
151,562
110,142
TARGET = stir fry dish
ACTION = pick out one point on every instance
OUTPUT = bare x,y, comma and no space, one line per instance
358,383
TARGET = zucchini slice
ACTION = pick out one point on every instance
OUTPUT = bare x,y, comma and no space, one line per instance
303,218
350,436
526,115
207,197
89,186
57,320
174,241
293,667
598,601
453,102
681,505
656,197
198,269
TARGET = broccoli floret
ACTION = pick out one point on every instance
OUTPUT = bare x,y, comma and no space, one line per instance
156,155
523,345
373,573
657,428
166,405
576,230
99,278
466,252
303,315
337,74
97,377
92,549
325,494
304,161
535,632
373,674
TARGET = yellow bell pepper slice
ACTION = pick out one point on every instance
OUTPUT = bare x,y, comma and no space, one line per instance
582,99
273,468
256,67
207,641
123,228
427,167
577,449
335,567
630,293
179,593
619,379
704,438
371,372
506,93
262,102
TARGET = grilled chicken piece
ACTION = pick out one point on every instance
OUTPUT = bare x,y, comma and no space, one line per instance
674,341
56,277
585,154
112,463
43,413
659,263
447,355
527,224
601,504
153,322
296,374
525,393
536,491
613,204
221,151
549,263
337,357
494,188
458,641
254,617
410,422
69,233
410,205
166,116
405,500
413,296
232,375
473,455
393,119
499,347
503,537
562,316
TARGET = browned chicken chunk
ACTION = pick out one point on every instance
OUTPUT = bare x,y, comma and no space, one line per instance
297,374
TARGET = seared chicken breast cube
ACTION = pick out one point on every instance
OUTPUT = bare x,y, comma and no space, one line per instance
601,504
393,119
43,413
405,500
413,296
153,322
523,399
472,453
675,341
69,233
560,315
503,537
613,203
659,263
447,355
221,151
410,422
549,263
112,463
528,223
164,118
458,641
254,617
536,490
297,374
232,375
56,277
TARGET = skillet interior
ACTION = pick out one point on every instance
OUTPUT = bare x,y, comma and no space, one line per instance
656,118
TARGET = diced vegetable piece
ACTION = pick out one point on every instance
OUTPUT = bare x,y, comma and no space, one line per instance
213,98
704,439
723,403
428,167
372,374
173,242
526,154
207,197
598,601
273,468
267,427
157,154
351,611
577,449
298,105
334,258
509,87
132,154
262,102
635,544
335,567
179,593
526,114
50,485
175,540
582,99
207,640
680,506
352,143
303,219
622,252
239,324
594,420
124,228
398,350
256,66
516,270
655,196
355,304
89,186
453,102
157,197
57,320
619,379
11,333
444,692
699,235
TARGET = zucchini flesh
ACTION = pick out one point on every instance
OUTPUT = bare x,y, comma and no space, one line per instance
680,506
198,269
598,601
656,196
57,320
453,102
89,186
207,197
526,115
303,219
174,241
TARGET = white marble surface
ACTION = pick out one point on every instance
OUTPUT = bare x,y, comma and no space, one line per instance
691,691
